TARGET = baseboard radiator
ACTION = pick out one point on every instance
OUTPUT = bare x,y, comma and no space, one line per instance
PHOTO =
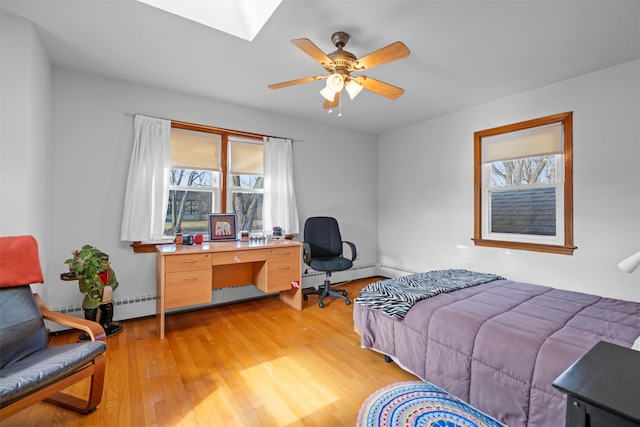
392,271
116,302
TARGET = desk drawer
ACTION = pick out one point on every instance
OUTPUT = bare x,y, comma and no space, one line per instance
289,254
186,288
240,256
281,274
187,262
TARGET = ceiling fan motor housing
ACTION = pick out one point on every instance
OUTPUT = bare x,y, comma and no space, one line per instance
341,60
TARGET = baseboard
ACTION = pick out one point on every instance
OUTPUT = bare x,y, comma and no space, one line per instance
392,271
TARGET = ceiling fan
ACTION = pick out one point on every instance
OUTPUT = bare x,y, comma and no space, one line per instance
340,63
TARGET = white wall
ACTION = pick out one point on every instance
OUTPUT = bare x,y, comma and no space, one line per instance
25,134
426,187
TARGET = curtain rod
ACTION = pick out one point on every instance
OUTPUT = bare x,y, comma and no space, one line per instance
235,132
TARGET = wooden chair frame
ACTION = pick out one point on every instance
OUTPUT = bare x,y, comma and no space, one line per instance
94,369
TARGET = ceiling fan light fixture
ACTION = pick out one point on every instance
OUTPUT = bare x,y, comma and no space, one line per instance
353,88
335,82
328,94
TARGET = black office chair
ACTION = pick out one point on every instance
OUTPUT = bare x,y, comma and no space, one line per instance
323,252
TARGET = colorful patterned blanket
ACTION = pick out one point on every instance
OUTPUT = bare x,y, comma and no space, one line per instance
394,297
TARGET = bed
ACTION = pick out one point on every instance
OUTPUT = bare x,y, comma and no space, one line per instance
492,342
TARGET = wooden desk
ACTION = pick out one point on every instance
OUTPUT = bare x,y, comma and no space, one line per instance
186,275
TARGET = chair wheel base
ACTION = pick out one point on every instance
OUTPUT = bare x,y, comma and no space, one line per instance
326,291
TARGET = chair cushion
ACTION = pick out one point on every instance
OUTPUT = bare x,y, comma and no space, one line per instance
22,330
330,264
19,261
45,367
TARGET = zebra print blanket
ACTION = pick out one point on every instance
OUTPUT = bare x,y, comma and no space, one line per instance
394,297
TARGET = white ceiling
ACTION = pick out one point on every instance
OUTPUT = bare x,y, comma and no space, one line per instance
463,53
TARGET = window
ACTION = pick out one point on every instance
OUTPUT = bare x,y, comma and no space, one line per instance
194,181
213,171
523,185
246,183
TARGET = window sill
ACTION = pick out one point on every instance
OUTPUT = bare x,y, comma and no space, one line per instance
141,248
535,247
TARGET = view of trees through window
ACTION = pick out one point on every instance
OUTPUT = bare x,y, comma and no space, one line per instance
524,197
191,200
246,201
524,171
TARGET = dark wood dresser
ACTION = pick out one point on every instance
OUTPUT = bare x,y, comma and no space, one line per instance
603,387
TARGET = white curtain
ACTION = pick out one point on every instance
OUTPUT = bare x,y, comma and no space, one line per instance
147,192
280,207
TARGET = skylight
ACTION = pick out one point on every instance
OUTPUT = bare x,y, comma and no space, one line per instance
240,18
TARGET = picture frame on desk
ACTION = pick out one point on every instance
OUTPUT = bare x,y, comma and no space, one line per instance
222,227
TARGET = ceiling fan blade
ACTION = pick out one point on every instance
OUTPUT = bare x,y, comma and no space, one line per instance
296,82
312,50
389,53
332,104
381,88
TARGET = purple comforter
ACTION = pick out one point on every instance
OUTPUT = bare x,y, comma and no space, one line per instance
500,345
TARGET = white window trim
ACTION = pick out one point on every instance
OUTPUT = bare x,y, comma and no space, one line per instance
487,189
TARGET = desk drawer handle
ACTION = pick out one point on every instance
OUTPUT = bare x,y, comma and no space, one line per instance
285,268
189,279
283,253
189,261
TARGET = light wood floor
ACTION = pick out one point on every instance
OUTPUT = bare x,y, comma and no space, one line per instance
257,363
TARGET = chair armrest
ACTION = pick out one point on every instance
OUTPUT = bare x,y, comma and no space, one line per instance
354,252
306,253
94,329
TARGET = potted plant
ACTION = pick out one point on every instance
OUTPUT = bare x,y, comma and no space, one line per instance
97,281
